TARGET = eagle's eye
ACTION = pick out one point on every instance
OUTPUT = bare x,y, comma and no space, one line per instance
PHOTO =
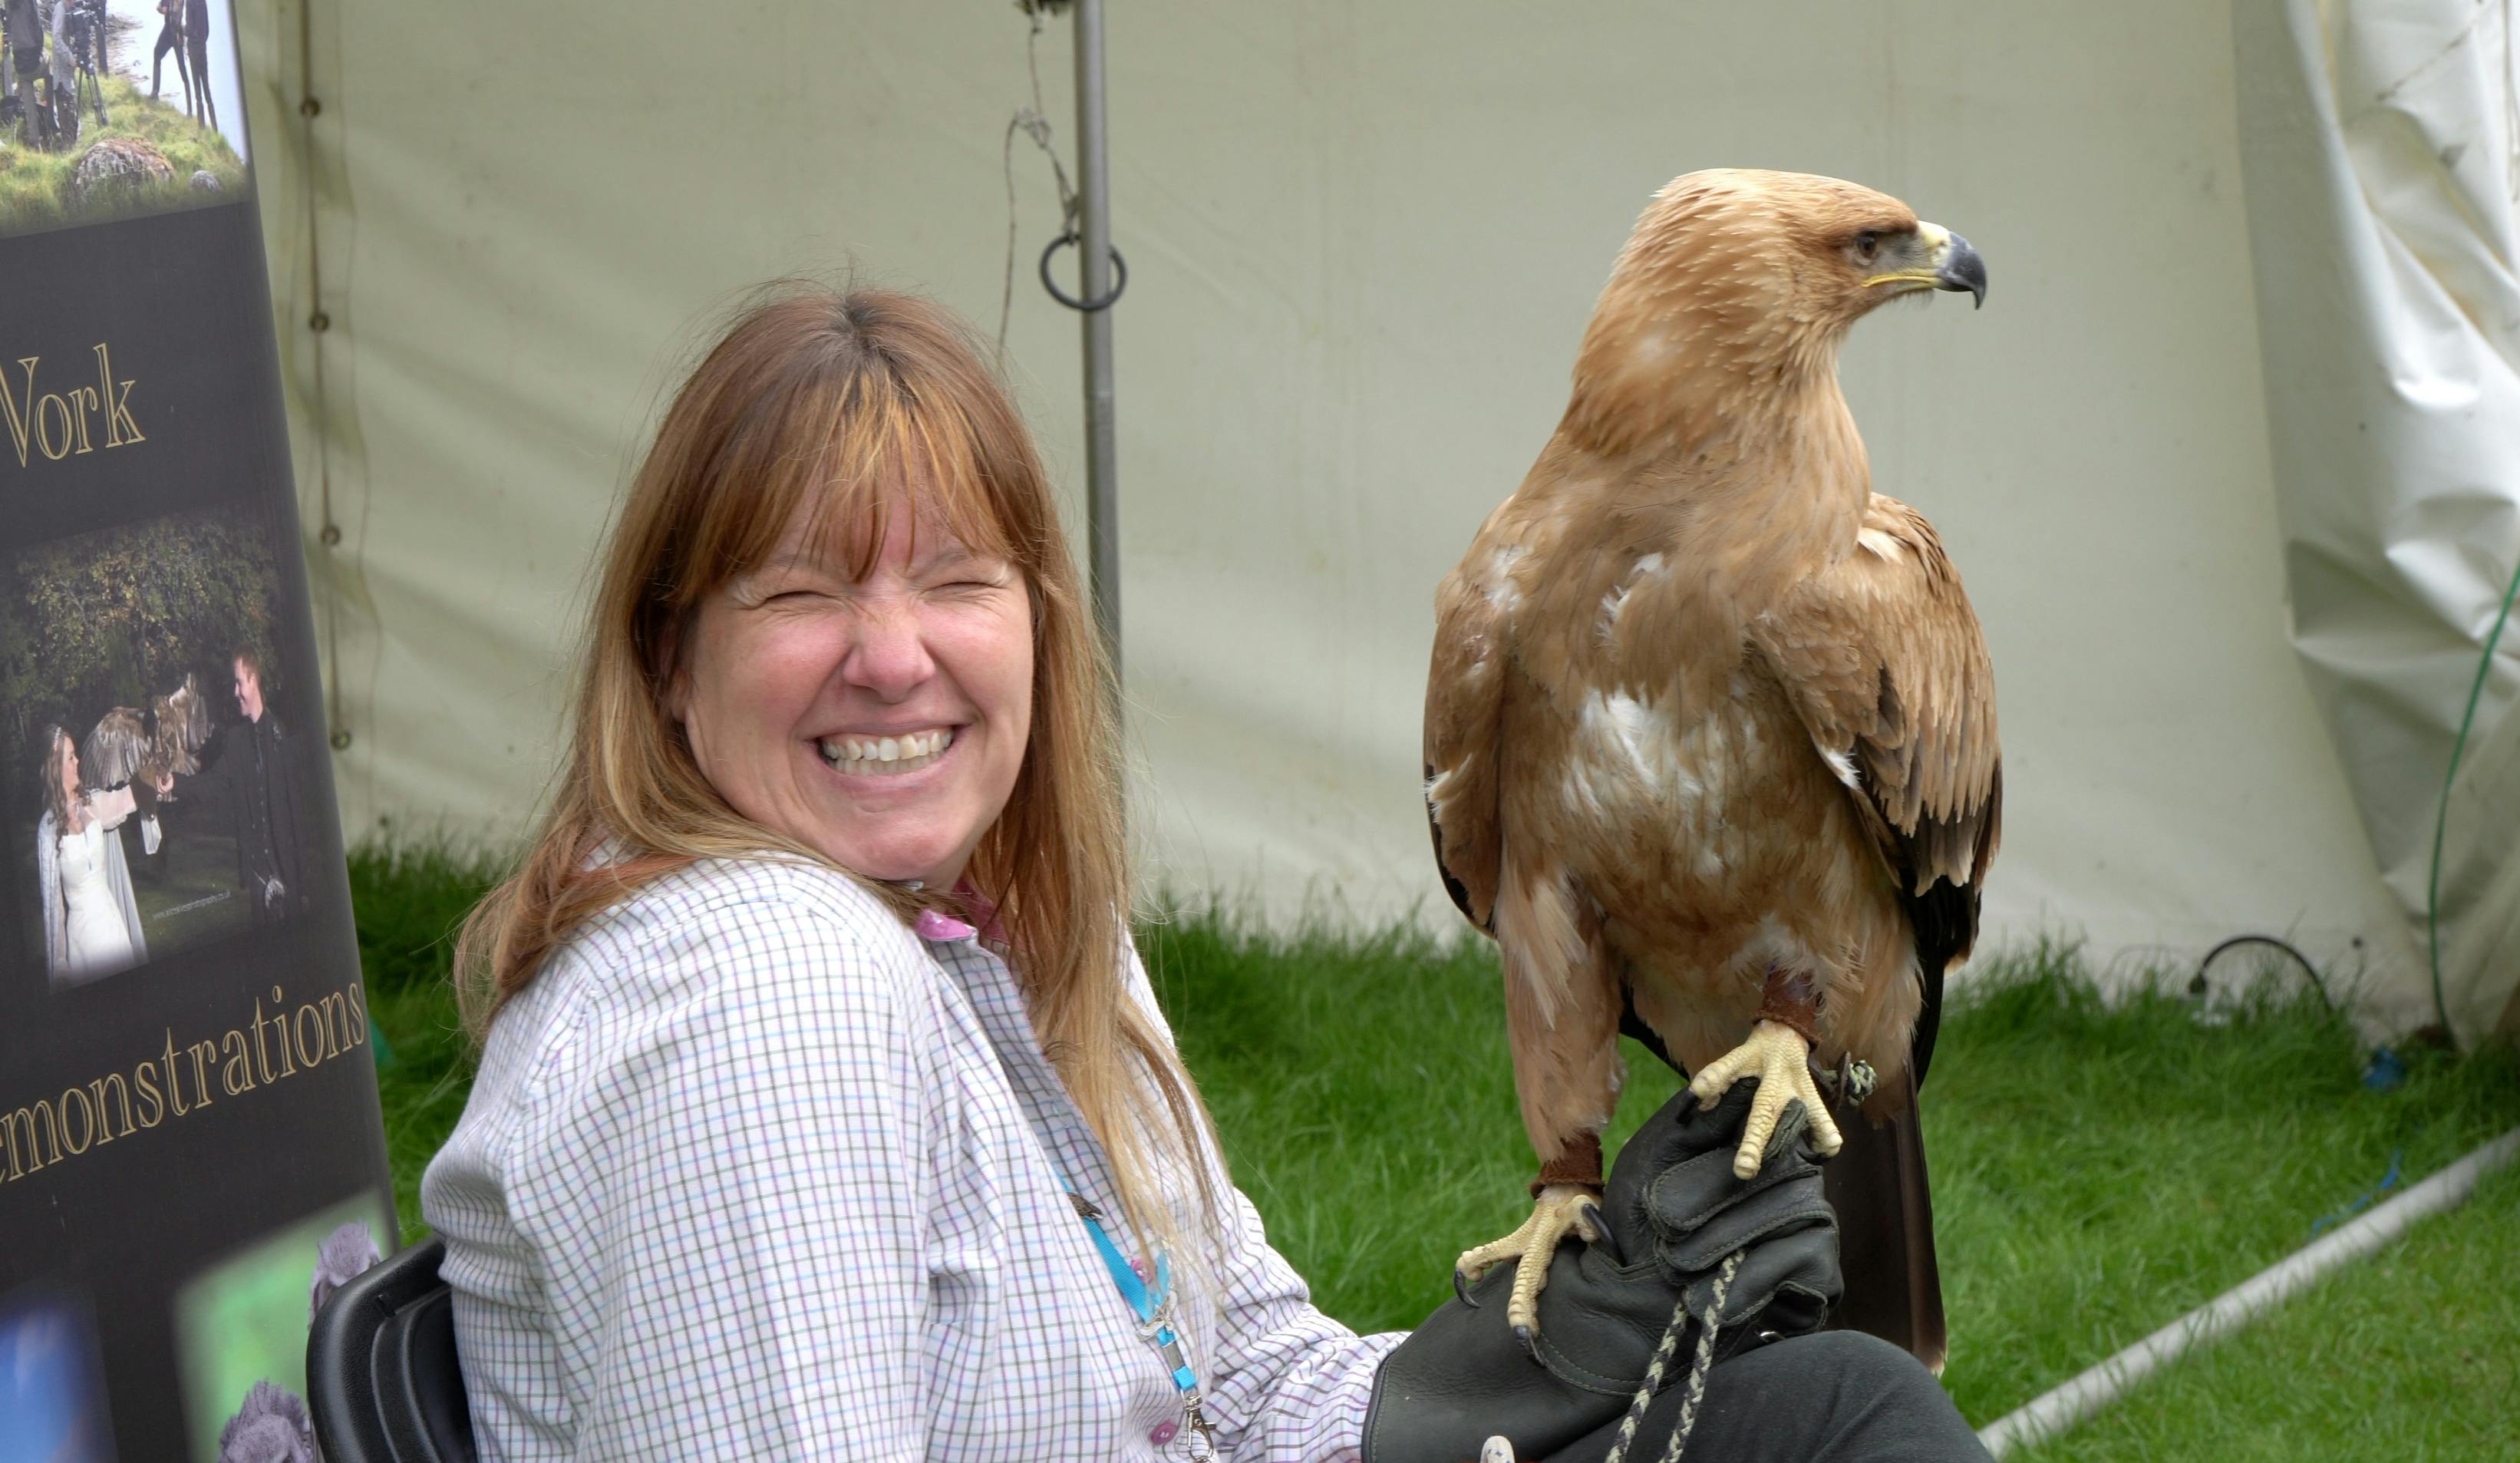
1866,245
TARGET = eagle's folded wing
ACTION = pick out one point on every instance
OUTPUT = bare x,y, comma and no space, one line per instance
1465,701
1888,666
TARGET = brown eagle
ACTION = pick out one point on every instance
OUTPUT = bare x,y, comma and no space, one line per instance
1710,727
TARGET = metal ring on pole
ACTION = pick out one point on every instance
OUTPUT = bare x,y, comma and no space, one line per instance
1120,281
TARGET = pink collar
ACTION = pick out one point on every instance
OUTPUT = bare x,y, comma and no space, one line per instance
931,925
941,927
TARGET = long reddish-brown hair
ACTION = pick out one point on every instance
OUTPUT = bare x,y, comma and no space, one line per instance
818,403
59,795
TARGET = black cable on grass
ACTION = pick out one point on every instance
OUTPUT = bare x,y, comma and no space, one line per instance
2196,986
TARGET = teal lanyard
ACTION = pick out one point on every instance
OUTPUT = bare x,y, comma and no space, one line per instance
1153,1311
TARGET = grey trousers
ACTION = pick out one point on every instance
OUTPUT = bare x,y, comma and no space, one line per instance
1836,1396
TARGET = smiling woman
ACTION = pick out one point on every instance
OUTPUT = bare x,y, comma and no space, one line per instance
842,535
813,1003
870,698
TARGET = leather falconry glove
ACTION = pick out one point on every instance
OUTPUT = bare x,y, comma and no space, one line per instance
1674,1213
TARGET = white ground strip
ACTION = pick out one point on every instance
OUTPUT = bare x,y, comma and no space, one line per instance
2095,1389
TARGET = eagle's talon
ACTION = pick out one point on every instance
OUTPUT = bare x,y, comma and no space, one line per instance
1461,1288
1559,1210
1778,1055
1530,1342
1595,1227
1793,1119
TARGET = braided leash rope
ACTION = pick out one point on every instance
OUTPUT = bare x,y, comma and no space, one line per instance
1705,1361
1700,1365
1652,1382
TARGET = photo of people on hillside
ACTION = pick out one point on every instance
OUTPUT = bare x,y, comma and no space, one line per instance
111,108
155,790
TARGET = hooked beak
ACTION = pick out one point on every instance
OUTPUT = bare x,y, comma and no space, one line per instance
1960,268
1947,262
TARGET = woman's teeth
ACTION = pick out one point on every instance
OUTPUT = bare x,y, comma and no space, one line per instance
886,756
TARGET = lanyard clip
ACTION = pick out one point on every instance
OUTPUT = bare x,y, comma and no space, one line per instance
1196,1421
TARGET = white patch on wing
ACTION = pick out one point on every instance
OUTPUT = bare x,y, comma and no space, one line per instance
1843,765
1637,728
1615,761
1641,777
1881,545
1629,759
1617,598
1501,592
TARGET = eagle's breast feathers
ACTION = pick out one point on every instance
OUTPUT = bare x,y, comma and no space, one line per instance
1727,782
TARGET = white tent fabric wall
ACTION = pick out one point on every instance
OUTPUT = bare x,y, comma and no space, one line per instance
2382,144
1363,239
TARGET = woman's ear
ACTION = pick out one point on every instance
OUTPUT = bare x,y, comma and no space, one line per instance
678,696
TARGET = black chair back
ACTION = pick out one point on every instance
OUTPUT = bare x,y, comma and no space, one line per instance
381,1369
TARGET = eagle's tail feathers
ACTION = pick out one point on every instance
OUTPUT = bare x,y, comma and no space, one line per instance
1885,1226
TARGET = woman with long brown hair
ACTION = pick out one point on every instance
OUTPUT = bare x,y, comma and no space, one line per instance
824,1108
814,988
91,918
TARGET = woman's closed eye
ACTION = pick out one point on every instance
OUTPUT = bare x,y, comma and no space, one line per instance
959,577
793,593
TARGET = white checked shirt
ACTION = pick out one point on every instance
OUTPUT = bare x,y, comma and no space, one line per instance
749,1171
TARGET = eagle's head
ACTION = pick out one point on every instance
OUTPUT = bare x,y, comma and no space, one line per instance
1739,275
1801,253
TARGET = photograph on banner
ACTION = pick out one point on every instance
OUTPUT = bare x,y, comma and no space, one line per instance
241,1332
114,108
52,1388
156,795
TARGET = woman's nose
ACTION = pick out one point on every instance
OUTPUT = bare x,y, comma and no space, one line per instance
891,657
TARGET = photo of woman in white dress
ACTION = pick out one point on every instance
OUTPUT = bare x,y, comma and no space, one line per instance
91,922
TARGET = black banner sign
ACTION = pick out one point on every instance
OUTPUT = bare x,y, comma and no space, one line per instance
191,1152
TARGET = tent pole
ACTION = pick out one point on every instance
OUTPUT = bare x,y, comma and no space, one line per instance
1094,280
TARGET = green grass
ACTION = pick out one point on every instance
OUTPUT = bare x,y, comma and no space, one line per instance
409,903
2102,1169
2100,1166
32,195
2410,1358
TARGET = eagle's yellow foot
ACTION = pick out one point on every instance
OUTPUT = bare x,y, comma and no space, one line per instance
1561,1208
1780,1059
